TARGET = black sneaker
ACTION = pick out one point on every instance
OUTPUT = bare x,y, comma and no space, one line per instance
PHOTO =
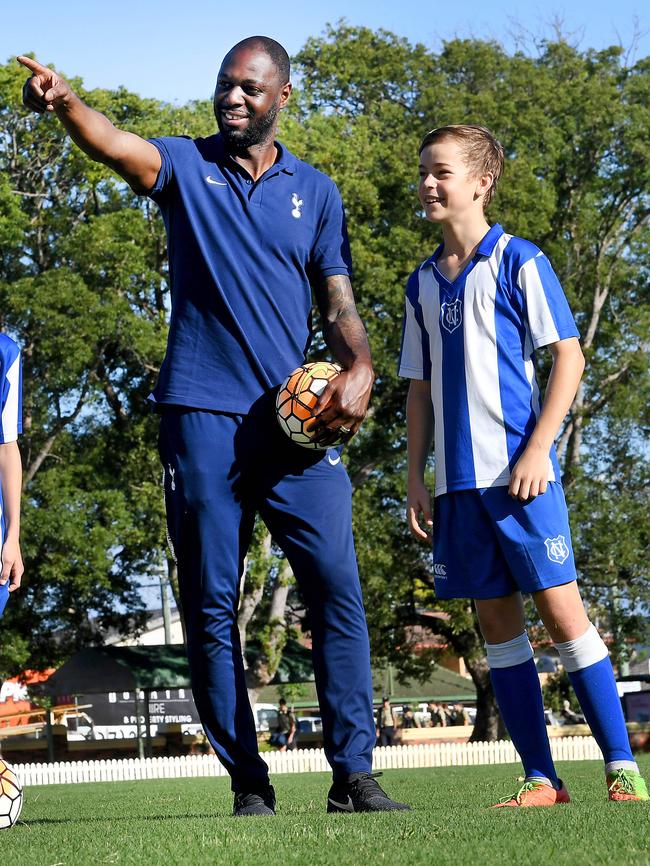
260,802
361,793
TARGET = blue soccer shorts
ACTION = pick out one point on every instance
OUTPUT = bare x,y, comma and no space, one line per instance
488,545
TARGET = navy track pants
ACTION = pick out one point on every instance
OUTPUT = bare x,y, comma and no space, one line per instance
220,469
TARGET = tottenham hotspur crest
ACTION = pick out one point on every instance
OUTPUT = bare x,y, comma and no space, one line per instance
297,203
451,315
557,549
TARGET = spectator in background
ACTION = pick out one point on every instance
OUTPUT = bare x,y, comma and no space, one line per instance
386,724
285,734
437,717
460,715
569,717
408,718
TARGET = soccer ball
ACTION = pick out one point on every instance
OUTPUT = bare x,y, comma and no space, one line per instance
297,397
11,796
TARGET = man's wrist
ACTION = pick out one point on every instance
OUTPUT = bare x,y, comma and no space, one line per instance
363,367
67,103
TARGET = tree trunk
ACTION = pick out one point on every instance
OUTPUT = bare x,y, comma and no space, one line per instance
489,724
249,600
468,645
247,608
264,667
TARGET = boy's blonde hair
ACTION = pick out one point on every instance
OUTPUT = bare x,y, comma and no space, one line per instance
482,153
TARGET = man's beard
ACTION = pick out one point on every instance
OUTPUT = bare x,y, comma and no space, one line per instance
257,131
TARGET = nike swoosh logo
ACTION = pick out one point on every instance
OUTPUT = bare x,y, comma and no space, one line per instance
344,807
210,179
336,460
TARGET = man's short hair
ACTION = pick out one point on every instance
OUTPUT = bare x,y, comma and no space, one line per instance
482,153
275,51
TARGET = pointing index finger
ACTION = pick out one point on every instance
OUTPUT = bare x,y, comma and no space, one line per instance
33,65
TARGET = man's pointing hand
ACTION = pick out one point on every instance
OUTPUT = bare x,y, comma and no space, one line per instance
45,90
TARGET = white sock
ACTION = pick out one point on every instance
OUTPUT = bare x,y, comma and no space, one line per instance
613,766
583,651
542,779
510,653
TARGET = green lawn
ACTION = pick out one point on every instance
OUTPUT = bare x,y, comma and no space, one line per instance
185,821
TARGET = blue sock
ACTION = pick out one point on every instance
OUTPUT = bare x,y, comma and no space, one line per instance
519,696
587,663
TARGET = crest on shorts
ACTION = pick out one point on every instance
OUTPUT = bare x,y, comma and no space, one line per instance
451,315
557,549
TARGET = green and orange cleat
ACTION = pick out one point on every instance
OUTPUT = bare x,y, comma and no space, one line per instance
536,793
626,785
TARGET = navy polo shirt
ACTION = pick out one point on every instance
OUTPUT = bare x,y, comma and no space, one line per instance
242,254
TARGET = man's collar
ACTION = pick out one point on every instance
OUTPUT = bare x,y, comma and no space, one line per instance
286,161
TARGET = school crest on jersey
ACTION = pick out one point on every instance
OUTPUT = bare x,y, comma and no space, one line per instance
451,315
557,549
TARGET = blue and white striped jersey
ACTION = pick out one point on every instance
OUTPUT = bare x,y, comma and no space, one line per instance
475,340
10,391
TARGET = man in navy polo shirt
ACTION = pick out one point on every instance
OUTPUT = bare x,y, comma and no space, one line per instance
252,230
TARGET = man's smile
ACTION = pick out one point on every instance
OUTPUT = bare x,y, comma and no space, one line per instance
233,118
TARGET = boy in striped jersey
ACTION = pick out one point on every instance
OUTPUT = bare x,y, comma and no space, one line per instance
10,468
477,311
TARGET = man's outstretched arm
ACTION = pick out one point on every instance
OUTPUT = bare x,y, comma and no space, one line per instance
133,158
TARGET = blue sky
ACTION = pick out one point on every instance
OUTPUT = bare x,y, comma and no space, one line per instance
171,50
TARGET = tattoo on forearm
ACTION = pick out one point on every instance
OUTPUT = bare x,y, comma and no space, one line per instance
342,328
335,295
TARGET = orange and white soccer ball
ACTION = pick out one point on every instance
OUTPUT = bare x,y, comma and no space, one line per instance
297,397
11,796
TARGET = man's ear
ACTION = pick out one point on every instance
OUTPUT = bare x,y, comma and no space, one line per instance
285,93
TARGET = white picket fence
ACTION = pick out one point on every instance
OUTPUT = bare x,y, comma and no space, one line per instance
298,761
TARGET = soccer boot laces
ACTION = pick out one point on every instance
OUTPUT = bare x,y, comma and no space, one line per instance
535,793
626,785
362,793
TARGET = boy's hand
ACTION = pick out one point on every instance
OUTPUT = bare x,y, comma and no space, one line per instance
12,564
529,478
418,505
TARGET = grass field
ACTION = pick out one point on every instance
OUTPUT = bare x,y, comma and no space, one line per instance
187,821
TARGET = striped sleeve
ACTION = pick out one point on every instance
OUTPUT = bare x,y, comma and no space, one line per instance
547,309
11,418
415,355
